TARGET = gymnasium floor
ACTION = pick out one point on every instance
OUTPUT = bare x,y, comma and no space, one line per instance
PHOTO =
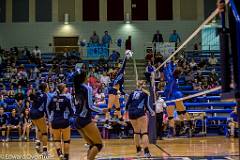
123,149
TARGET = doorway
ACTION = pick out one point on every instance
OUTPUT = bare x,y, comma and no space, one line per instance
65,44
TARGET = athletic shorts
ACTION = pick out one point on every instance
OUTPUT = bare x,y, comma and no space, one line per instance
60,123
80,122
113,91
36,114
135,114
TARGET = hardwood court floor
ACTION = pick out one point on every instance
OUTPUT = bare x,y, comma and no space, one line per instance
123,148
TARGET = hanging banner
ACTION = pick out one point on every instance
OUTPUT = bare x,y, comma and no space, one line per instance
97,50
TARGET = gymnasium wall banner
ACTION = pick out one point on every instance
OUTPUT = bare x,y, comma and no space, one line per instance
166,48
97,50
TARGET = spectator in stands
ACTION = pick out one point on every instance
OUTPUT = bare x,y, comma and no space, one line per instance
149,56
26,124
99,97
202,64
104,78
37,54
3,123
19,105
158,58
175,38
233,124
196,47
212,60
160,105
128,43
193,64
94,38
157,39
149,71
106,39
27,104
11,91
14,124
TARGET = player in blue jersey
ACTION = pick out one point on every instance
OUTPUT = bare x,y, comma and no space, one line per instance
171,92
38,115
83,115
116,87
137,105
61,110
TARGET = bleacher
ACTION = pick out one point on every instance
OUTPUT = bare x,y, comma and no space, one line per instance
217,111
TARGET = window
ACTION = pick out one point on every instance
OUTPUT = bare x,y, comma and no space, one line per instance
91,10
43,10
20,10
139,9
164,9
2,10
115,10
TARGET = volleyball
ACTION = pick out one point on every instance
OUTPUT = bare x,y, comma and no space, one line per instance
128,54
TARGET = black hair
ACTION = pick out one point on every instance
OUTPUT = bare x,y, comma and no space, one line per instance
43,87
78,79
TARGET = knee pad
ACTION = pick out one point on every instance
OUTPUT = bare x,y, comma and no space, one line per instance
67,141
99,146
57,141
170,118
44,134
179,112
146,133
118,109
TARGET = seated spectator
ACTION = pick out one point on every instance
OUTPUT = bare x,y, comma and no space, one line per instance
212,60
26,124
36,53
11,91
149,56
233,124
27,104
197,85
104,78
14,122
99,97
193,64
19,104
3,123
202,64
158,58
92,80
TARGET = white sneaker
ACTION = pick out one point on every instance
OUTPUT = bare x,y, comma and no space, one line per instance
61,157
147,155
38,148
7,139
45,154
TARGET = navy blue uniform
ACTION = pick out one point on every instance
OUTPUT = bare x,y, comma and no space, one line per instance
84,106
60,110
137,104
39,105
118,80
14,120
3,120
